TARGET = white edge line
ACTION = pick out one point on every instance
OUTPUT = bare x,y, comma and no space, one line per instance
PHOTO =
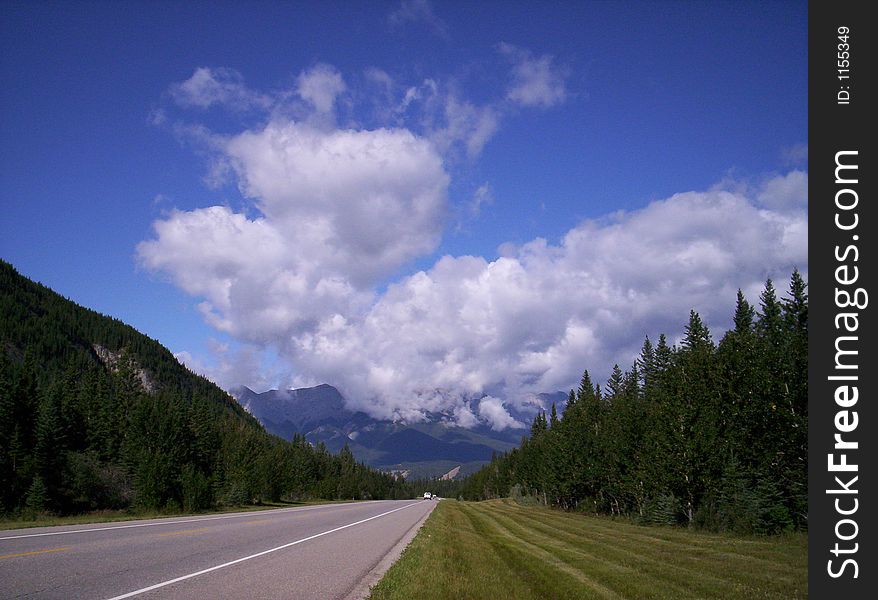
238,560
174,522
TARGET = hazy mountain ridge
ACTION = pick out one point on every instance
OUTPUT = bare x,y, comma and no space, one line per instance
424,448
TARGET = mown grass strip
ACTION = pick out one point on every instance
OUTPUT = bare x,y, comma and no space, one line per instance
500,549
450,560
554,576
618,569
675,564
773,554
766,548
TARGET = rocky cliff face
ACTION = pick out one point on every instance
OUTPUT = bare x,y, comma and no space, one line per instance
112,360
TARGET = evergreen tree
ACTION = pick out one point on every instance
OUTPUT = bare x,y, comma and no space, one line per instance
37,499
714,437
586,388
49,452
744,314
697,336
614,383
770,323
795,305
7,432
663,354
553,420
571,401
539,425
647,364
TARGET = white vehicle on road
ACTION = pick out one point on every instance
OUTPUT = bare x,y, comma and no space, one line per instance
427,495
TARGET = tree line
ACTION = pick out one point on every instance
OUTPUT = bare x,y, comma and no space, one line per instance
95,415
704,434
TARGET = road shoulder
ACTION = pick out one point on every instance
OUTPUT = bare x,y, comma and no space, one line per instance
361,590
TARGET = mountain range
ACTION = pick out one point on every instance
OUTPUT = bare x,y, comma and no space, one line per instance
429,448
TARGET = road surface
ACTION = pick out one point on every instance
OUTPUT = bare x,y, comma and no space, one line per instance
320,552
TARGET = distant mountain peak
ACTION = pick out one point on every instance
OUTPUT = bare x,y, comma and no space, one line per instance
431,447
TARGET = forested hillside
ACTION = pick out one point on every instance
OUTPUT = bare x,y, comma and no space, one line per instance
95,415
703,434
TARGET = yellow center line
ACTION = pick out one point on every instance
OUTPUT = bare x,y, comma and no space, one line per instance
185,531
259,522
34,552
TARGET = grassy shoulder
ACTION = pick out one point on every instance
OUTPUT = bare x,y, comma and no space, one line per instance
111,516
499,549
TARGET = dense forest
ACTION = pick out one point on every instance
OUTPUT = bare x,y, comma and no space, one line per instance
94,415
702,434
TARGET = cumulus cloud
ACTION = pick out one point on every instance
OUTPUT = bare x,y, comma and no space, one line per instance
320,86
339,210
233,367
531,321
526,322
788,192
492,411
358,203
311,271
536,81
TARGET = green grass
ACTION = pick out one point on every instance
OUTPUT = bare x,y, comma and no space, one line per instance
110,516
499,549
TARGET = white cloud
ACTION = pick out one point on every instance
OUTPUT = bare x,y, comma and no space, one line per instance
320,86
472,125
222,86
233,367
795,156
532,320
527,322
536,82
789,192
356,203
418,11
337,212
447,120
491,410
482,196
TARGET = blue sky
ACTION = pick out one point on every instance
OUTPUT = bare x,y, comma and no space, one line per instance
518,130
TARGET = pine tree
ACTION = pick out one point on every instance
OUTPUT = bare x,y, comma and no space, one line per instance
571,402
614,383
744,314
49,455
795,306
770,323
37,499
586,388
744,386
663,354
794,411
539,425
697,335
7,432
647,364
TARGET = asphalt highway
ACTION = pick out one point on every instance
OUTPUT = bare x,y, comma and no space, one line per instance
320,552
